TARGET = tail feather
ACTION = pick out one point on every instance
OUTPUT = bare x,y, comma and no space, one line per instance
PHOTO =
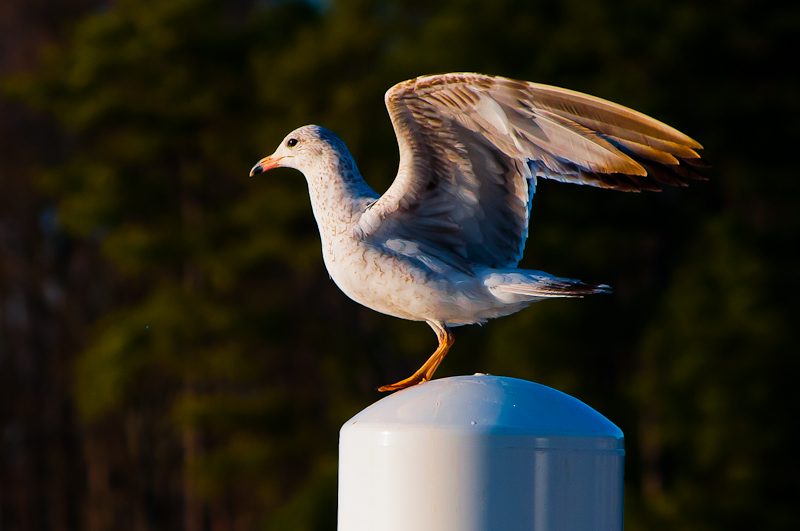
536,284
554,289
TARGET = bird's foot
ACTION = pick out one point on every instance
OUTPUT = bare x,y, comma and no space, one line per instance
425,373
411,381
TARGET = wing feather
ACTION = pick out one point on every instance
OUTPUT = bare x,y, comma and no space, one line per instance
471,147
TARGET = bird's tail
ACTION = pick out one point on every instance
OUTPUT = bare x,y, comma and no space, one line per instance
538,285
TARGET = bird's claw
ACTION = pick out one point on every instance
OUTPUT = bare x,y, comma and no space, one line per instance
411,381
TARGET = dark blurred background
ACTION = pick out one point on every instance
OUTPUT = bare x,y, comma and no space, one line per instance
173,355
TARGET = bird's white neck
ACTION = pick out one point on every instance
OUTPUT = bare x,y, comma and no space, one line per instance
339,196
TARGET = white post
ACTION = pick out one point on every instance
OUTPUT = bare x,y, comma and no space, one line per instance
480,453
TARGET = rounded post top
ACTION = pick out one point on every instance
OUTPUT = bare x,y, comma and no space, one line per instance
489,405
480,453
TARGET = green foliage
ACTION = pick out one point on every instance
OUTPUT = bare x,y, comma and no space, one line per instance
226,318
719,353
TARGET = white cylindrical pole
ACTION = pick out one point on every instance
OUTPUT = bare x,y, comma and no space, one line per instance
480,453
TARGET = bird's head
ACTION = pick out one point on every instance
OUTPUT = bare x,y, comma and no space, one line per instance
308,148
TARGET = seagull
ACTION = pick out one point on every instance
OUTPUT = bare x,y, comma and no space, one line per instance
443,243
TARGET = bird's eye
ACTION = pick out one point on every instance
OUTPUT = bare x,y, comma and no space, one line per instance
292,142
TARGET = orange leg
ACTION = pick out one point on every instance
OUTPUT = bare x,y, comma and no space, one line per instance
425,372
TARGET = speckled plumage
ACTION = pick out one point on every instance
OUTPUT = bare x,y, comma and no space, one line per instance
442,244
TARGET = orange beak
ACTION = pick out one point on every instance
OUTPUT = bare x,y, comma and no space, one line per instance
265,164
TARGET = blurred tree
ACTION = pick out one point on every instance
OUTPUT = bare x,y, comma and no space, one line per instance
42,322
218,381
155,95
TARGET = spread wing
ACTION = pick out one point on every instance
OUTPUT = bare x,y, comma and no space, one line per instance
471,147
